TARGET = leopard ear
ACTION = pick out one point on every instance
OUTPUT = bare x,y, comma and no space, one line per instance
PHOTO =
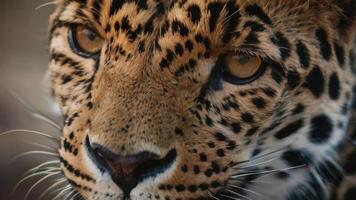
347,21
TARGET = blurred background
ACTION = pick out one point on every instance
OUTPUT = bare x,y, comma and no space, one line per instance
23,64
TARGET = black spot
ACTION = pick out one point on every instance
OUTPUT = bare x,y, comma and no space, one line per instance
296,158
66,79
71,136
164,63
192,188
259,102
277,72
115,6
254,26
179,27
255,10
284,46
194,13
179,50
303,54
220,152
215,10
180,188
179,131
340,54
236,127
220,136
189,45
334,87
315,82
204,186
251,131
203,157
321,129
325,47
251,39
293,78
184,168
247,117
269,92
298,109
289,129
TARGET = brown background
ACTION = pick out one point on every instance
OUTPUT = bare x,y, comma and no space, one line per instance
23,63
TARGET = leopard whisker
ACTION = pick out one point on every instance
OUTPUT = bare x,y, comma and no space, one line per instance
257,164
55,184
258,157
245,189
238,194
25,131
69,195
39,182
41,145
64,190
230,197
38,167
268,171
35,113
212,196
31,176
45,5
32,153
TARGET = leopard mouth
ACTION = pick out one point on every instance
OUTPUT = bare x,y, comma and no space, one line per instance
122,170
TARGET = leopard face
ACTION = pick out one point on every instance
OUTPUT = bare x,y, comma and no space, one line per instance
201,99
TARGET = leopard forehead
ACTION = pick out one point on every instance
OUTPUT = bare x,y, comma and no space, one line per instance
156,86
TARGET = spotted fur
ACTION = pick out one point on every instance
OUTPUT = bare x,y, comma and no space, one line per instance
286,136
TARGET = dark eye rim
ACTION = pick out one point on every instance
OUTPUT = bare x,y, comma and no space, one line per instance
228,77
74,45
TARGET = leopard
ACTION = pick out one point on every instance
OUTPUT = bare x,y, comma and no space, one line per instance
206,99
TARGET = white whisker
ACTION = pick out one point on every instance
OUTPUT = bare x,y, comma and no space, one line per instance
240,195
25,131
41,145
230,197
69,195
39,182
267,172
36,114
31,176
245,189
58,182
36,168
260,163
31,153
64,190
212,196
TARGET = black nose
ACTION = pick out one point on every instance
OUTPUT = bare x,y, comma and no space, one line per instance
128,171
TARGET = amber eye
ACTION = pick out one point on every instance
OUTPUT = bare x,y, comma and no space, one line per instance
85,41
242,68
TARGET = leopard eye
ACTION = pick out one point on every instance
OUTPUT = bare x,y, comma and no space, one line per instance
85,41
242,68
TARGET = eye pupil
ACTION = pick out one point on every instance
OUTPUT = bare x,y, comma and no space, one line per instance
243,59
90,34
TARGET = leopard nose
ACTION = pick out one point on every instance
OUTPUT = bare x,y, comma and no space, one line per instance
129,170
